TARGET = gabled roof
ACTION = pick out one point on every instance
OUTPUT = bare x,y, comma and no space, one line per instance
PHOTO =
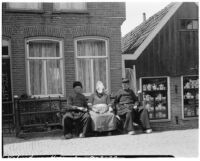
136,40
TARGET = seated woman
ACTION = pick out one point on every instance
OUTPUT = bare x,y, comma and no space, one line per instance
100,110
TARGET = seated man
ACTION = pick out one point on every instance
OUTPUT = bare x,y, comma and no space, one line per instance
140,115
77,111
124,101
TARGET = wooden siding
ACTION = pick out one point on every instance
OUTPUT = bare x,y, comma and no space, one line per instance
172,52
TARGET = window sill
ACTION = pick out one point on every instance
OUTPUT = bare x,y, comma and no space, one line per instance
24,11
191,118
182,30
71,12
161,120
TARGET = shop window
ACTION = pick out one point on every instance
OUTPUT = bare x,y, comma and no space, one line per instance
191,96
187,24
24,6
45,67
70,6
155,94
91,63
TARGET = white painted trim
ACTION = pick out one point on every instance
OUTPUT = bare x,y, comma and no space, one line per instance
88,57
156,30
182,99
168,95
107,58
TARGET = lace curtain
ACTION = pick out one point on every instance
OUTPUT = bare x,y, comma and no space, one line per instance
45,73
90,66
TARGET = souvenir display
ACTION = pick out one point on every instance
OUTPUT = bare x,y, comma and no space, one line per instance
190,96
155,95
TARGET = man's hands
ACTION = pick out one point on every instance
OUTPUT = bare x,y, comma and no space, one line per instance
79,108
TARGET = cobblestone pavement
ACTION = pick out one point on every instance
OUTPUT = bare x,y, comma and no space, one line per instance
179,143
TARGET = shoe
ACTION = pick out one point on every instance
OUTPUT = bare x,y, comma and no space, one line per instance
81,135
148,131
68,136
135,124
131,132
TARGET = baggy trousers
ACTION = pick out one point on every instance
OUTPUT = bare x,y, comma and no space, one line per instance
82,121
127,121
141,117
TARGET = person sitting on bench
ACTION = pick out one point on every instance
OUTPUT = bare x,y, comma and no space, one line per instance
77,112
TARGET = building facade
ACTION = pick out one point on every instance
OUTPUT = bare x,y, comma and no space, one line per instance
47,46
164,53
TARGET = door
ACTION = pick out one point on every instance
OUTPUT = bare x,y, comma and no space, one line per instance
7,103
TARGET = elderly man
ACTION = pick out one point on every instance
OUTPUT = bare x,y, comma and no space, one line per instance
125,100
129,111
77,111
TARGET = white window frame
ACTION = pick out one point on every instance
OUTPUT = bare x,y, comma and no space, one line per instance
107,57
182,99
70,9
61,58
40,6
168,95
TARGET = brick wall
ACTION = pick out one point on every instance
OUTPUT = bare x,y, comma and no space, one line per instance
102,19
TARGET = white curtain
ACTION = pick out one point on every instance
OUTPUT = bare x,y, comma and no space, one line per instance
70,6
45,75
20,5
88,67
131,75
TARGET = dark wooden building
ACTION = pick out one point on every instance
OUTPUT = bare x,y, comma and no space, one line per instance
164,53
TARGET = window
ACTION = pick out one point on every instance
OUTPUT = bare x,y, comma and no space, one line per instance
45,67
70,6
5,48
91,63
190,96
24,6
187,24
155,94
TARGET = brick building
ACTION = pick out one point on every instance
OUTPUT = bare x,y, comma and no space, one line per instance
47,46
162,54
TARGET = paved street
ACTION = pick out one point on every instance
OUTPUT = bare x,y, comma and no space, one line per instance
179,143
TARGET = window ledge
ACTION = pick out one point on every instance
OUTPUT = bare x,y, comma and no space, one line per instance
71,12
190,118
162,120
24,11
181,30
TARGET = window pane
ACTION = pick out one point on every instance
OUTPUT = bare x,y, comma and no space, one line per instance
5,47
85,74
37,77
189,24
54,80
70,6
91,47
43,49
100,71
33,6
195,24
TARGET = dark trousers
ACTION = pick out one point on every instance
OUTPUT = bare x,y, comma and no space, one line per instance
126,122
83,123
141,117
